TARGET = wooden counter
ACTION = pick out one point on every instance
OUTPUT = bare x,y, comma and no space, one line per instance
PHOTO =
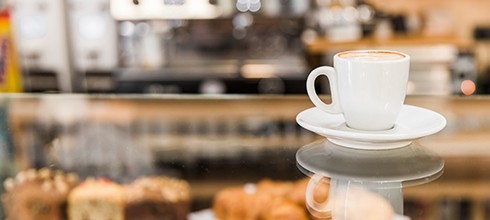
322,45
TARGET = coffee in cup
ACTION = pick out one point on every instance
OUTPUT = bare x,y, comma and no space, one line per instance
367,86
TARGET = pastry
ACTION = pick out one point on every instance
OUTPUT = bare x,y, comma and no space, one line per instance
97,199
266,200
157,198
38,194
250,203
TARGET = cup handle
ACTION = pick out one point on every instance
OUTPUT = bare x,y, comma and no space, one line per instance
331,74
318,209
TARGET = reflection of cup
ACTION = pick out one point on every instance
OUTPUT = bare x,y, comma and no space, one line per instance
368,87
350,200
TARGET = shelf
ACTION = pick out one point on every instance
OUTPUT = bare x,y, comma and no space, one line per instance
322,45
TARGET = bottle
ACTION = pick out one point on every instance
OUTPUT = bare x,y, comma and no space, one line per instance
10,75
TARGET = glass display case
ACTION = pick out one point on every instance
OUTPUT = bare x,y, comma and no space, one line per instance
206,146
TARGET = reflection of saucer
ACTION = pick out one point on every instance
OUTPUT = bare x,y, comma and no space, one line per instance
413,123
411,165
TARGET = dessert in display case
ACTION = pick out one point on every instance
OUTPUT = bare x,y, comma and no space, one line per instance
184,154
150,157
38,194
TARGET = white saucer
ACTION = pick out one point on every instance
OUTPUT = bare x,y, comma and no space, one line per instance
413,123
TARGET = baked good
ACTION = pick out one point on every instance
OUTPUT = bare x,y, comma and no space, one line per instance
97,199
248,202
276,188
240,203
281,208
235,202
38,194
152,198
295,191
267,199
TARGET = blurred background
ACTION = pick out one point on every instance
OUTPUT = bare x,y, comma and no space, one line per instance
234,46
230,47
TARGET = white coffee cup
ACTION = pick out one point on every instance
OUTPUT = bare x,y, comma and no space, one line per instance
367,86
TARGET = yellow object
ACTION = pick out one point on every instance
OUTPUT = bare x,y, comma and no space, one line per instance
10,75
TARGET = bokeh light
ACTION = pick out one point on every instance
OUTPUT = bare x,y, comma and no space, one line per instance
468,87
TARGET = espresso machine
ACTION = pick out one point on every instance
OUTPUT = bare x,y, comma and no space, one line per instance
93,40
39,29
210,47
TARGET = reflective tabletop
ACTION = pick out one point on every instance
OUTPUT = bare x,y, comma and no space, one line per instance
217,142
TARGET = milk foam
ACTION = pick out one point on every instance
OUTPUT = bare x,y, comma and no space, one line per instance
372,55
